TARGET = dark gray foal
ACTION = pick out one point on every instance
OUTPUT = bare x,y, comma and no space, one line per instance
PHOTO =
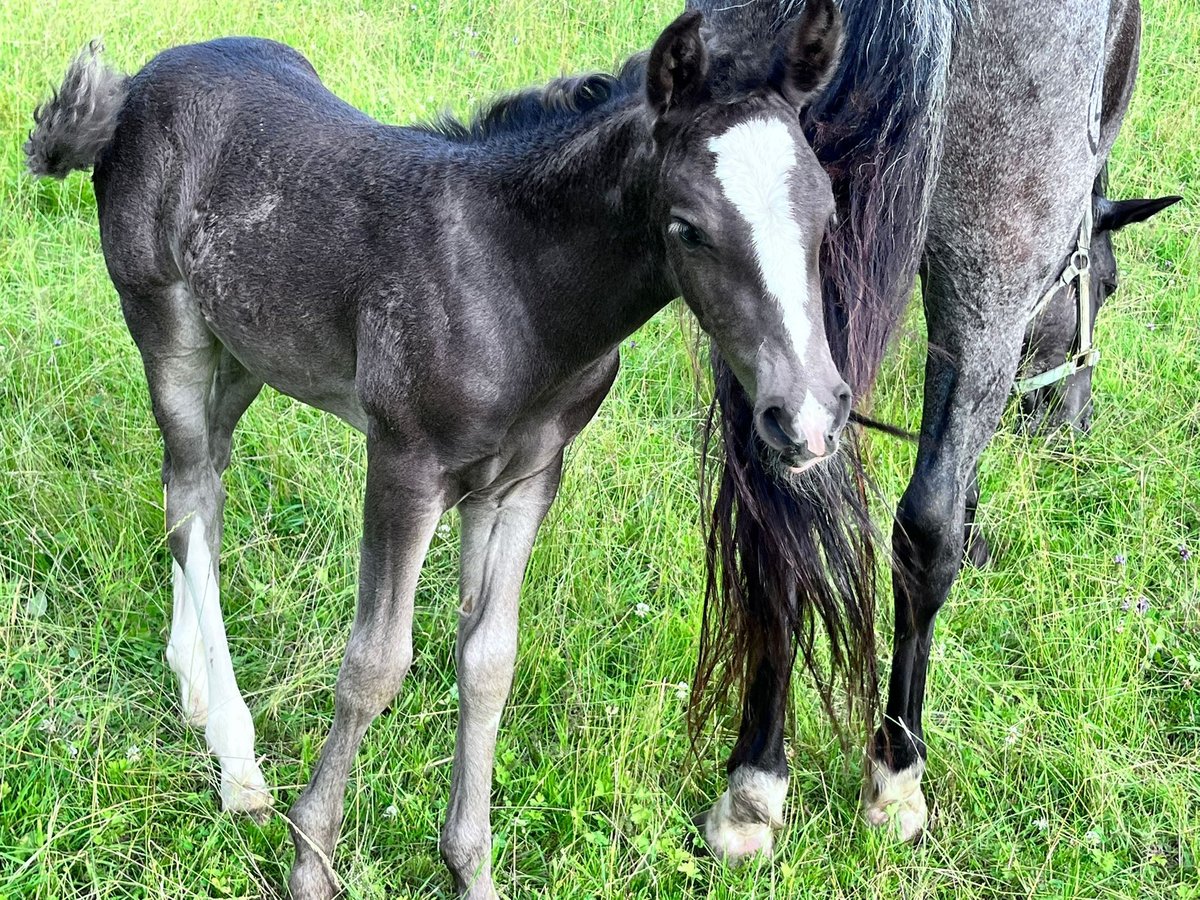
457,293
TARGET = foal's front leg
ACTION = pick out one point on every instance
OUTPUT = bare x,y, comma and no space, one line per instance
497,536
402,507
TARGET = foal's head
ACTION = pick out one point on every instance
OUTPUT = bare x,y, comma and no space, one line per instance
743,205
1053,335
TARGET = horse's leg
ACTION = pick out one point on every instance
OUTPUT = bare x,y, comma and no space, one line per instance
403,503
1004,215
497,537
181,358
185,652
742,823
965,391
234,389
977,317
975,543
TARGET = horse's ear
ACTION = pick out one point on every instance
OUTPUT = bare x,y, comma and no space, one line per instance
1113,215
808,53
678,66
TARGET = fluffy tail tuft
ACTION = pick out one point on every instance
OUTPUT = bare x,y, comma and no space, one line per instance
79,120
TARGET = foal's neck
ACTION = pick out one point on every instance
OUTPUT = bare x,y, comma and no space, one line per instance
582,199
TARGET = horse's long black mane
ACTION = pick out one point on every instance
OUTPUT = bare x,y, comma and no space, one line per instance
789,561
556,105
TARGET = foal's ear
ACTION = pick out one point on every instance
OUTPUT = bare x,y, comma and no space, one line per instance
808,53
1113,215
678,65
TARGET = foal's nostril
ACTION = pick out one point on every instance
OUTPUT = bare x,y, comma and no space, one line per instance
772,429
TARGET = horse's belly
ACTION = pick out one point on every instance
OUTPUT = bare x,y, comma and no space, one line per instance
298,348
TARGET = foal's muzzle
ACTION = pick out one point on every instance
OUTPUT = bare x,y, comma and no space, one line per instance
803,435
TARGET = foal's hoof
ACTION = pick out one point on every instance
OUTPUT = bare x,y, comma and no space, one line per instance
246,792
895,799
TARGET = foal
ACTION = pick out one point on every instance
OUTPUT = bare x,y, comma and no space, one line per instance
456,293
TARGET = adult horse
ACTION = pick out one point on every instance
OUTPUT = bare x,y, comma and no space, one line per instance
963,140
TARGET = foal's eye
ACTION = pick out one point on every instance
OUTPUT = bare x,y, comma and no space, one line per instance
688,234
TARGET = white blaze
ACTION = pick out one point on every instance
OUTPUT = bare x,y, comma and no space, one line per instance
754,165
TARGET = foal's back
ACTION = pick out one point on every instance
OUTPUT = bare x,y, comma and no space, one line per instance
238,188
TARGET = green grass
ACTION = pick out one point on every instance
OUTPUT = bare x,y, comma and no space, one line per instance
1065,729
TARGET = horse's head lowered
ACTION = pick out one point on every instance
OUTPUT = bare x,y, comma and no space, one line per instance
1054,393
743,205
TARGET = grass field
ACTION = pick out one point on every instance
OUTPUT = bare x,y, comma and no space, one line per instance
1064,723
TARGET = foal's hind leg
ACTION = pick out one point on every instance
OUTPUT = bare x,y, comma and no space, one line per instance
497,537
404,500
234,389
182,359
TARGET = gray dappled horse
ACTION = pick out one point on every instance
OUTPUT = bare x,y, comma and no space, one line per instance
963,140
458,293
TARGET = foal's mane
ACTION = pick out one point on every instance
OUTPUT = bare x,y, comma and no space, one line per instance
549,107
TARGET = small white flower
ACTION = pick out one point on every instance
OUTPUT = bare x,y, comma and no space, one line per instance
443,530
681,690
1042,824
1094,837
48,726
611,711
391,812
134,753
72,751
642,610
1014,735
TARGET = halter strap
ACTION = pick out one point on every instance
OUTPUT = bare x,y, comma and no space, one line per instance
1078,268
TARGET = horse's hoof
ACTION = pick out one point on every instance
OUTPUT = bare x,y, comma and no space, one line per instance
978,553
895,799
246,792
731,843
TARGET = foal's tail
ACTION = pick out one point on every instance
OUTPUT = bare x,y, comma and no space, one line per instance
79,120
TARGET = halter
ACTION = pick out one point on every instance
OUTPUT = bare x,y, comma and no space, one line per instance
1078,267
